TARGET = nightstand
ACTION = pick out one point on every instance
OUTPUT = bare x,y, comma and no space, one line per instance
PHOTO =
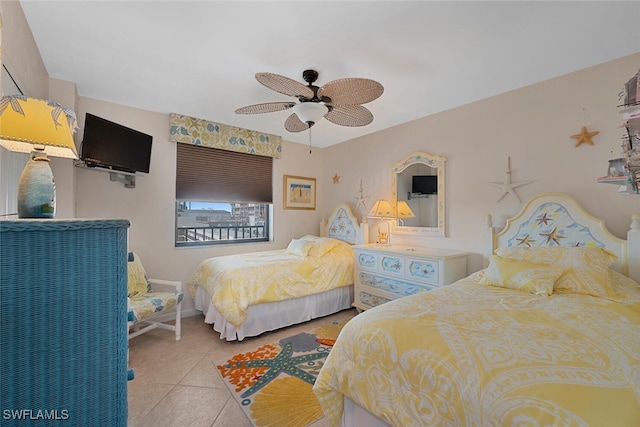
384,273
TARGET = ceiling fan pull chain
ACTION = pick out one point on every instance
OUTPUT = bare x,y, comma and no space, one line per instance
309,138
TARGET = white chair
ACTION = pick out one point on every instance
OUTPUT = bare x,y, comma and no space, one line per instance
147,304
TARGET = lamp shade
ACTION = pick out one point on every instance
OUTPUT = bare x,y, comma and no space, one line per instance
404,211
310,112
41,128
381,209
28,123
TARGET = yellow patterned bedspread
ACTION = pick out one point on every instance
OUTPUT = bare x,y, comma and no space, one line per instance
474,355
237,281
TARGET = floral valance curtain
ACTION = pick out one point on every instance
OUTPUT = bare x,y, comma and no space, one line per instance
190,130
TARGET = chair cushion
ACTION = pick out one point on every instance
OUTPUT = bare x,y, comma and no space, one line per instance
146,305
137,282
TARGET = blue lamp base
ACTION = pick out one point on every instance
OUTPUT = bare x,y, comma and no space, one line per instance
36,188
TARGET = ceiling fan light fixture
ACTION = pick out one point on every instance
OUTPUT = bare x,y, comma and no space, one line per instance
310,112
338,101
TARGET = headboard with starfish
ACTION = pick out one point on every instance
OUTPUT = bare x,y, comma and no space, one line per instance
343,225
555,219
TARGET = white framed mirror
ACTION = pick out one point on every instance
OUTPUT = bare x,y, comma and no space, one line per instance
419,183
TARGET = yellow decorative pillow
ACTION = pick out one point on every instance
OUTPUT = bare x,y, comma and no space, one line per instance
137,281
524,276
321,245
586,269
299,247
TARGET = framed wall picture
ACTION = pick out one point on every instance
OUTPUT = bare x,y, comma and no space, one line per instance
299,192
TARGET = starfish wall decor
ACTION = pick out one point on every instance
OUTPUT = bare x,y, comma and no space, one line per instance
584,136
507,186
361,200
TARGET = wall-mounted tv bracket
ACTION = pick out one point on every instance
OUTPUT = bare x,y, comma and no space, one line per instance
128,179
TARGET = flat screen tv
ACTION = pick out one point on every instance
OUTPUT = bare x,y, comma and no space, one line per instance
424,184
113,146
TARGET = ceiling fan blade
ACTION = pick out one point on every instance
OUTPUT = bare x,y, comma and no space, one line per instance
268,107
294,124
351,91
284,85
350,115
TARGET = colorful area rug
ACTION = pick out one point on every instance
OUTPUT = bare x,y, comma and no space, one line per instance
273,384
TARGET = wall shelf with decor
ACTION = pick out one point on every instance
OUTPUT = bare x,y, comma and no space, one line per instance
613,180
625,171
127,178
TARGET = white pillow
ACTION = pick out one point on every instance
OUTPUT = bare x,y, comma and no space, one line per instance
299,247
321,245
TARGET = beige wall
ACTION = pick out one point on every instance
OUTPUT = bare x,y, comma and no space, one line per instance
64,93
22,59
532,125
150,206
20,53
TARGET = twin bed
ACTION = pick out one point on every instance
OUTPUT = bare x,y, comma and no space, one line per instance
245,295
547,334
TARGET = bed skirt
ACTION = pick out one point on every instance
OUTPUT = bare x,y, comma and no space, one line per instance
355,415
271,316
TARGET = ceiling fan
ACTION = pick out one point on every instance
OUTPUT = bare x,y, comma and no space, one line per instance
338,101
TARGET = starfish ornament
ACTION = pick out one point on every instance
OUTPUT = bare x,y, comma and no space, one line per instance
361,200
554,236
336,179
507,186
584,136
543,219
526,240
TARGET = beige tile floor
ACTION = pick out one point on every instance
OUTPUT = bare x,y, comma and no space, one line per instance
176,383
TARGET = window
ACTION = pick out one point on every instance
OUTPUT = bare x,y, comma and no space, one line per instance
222,196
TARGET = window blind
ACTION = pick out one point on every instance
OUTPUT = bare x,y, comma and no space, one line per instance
215,175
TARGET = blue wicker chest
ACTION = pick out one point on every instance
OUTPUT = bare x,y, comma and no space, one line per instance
63,322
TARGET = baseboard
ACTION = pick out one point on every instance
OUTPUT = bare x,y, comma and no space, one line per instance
190,312
172,315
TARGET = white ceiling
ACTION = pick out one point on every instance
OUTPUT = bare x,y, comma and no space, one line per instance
199,58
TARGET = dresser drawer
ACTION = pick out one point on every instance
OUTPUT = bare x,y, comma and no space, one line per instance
368,260
422,270
392,264
367,300
396,287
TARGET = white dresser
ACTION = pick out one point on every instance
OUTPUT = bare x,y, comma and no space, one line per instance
384,273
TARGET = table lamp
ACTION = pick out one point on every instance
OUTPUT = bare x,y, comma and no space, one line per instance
41,128
382,210
404,211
